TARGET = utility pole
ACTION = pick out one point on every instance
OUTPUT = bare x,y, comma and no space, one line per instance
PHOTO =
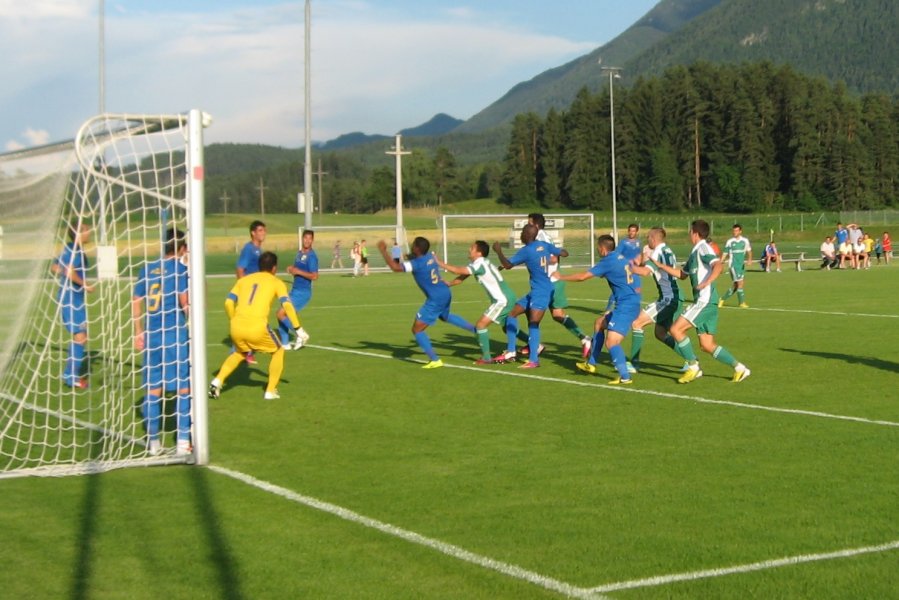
261,187
224,198
398,152
307,93
321,197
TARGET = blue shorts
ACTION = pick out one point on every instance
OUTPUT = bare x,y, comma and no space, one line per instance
537,299
167,367
74,317
432,310
622,317
300,298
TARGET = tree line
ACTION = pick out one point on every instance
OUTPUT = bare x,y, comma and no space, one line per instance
730,138
735,138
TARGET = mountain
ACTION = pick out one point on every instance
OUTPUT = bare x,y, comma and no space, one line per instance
557,87
347,140
440,124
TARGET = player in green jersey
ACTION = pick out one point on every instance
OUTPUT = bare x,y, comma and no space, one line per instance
702,267
739,252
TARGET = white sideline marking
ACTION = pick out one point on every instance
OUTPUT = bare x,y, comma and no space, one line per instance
410,536
748,568
631,390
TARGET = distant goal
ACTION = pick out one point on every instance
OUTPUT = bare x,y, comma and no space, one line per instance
572,231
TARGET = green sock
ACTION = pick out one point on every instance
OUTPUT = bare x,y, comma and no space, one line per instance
571,326
722,355
685,349
741,296
484,343
728,294
636,344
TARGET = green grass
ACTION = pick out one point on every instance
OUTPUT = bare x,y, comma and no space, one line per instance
551,470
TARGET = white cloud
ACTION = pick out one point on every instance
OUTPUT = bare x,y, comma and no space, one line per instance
371,72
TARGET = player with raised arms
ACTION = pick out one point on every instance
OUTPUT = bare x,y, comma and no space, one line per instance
426,272
248,306
162,334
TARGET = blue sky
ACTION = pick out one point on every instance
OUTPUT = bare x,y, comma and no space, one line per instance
378,66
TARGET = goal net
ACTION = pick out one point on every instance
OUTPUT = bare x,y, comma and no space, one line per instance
572,231
83,224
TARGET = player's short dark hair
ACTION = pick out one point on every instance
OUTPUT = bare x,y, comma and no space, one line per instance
537,219
606,241
256,225
661,231
737,226
701,228
174,241
634,225
483,248
310,232
267,261
422,244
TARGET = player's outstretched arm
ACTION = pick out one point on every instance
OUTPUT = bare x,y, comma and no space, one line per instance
583,276
679,273
382,248
498,250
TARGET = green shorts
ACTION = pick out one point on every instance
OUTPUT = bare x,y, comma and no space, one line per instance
663,313
560,299
704,317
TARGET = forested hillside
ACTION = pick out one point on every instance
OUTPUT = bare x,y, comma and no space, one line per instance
724,138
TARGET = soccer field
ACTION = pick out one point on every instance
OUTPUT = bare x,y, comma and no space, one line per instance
373,478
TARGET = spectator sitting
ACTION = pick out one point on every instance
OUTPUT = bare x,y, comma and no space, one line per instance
770,255
829,258
846,255
859,254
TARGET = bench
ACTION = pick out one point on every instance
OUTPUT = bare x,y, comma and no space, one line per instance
793,257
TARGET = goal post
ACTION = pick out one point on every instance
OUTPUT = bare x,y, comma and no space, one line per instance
73,392
572,231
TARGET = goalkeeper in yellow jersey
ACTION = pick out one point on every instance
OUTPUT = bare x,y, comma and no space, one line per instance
248,305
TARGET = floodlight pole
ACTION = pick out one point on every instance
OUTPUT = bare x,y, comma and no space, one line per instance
398,152
614,73
307,167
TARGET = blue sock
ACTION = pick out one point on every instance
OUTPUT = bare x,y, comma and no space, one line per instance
182,408
73,362
619,360
285,327
534,342
424,343
511,333
151,409
599,338
461,323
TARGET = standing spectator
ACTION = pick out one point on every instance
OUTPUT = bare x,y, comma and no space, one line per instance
71,269
336,261
840,235
770,255
878,249
887,244
356,257
363,255
829,258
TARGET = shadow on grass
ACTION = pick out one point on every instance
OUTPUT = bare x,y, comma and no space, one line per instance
217,546
865,361
83,568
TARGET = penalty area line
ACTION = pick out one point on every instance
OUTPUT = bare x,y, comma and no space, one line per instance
629,390
450,550
747,568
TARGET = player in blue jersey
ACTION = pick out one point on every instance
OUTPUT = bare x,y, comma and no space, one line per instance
426,272
159,309
630,247
304,270
248,261
71,269
537,257
624,303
